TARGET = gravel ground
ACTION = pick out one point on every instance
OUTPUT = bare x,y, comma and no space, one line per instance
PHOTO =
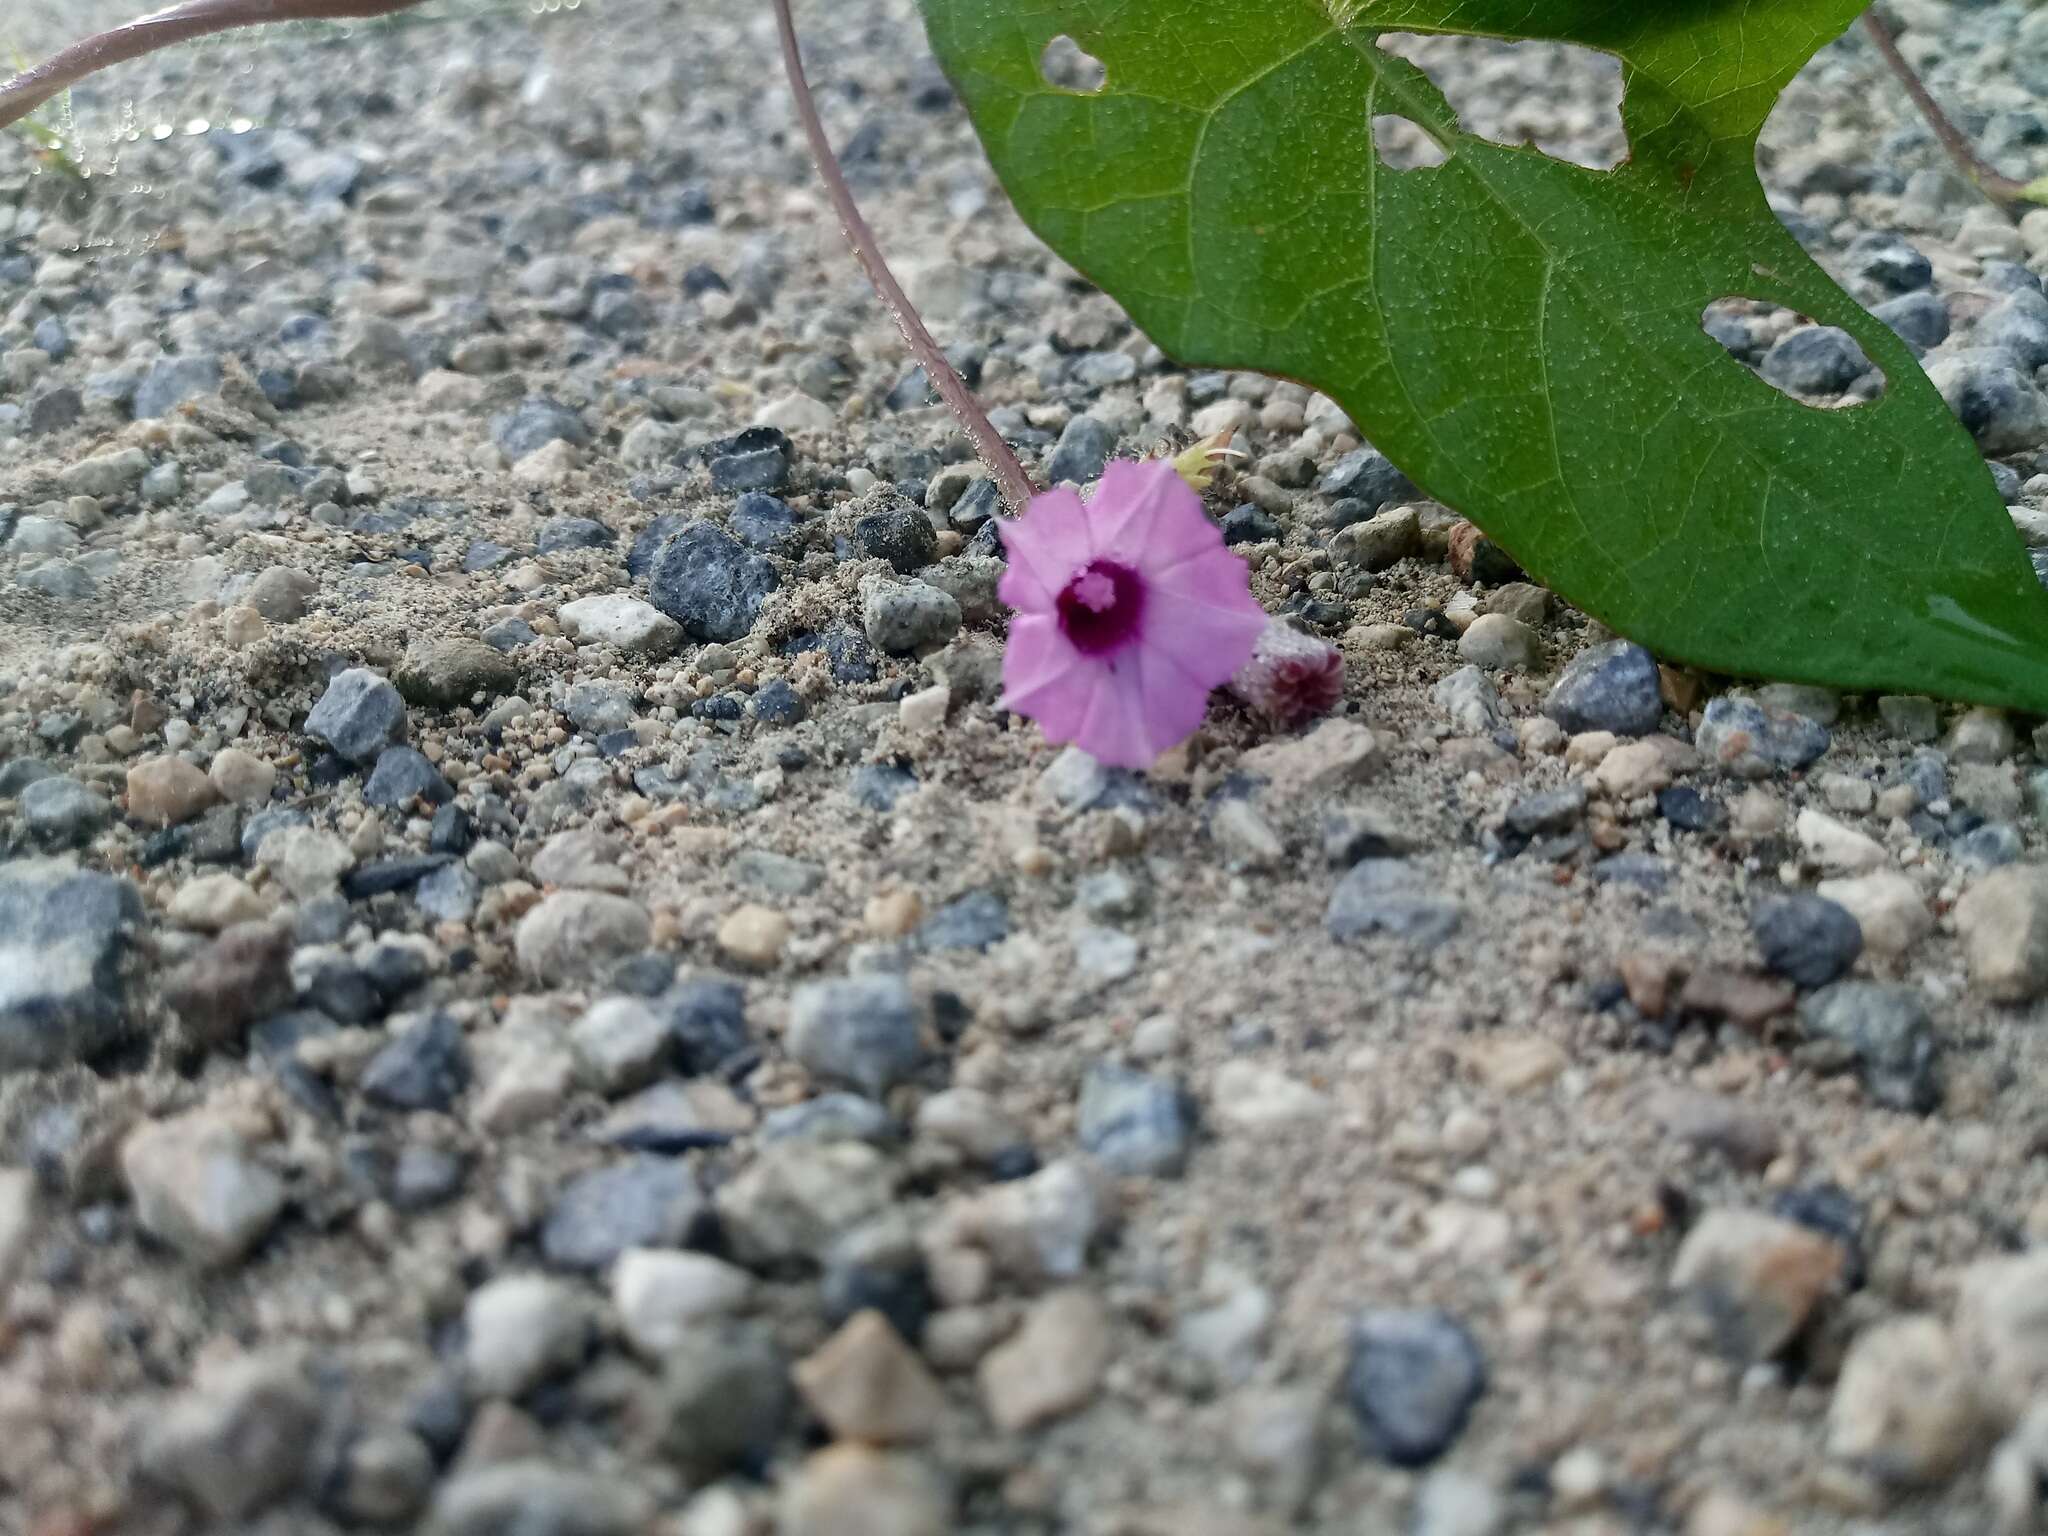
538,990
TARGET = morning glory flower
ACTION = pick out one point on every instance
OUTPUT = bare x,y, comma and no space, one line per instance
1128,612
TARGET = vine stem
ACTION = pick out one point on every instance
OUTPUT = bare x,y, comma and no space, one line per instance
1016,485
1999,188
164,29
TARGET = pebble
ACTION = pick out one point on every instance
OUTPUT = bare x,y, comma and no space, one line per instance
425,1066
1609,687
404,778
238,1439
446,674
1756,1278
1391,897
1412,1381
662,1295
242,976
1887,1031
519,1331
1261,1100
172,381
165,791
710,583
198,1189
1992,396
60,812
1745,740
1040,1228
2002,921
359,715
796,1199
643,1202
1980,736
1084,447
1888,908
578,936
1910,717
622,1043
1807,939
1837,849
1052,1366
2002,1330
306,862
1134,1123
866,1384
863,1031
385,1477
1904,1413
64,935
723,1399
241,777
1501,644
533,424
625,623
854,1490
900,534
753,936
534,1499
1470,701
2017,1481
1815,360
1450,1502
902,617
106,476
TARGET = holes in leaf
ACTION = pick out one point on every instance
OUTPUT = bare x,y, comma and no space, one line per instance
1404,144
1561,99
1067,66
1819,366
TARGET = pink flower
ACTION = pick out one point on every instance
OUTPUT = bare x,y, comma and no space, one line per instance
1129,610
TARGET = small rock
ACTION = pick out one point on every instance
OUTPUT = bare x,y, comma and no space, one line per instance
644,1202
1836,849
1263,1100
577,936
1389,896
2003,923
1040,1228
424,1067
59,812
1815,360
624,623
197,1188
534,1499
753,936
852,1490
1805,938
1888,909
1501,644
238,1439
1083,449
723,1399
798,1198
1611,687
520,1330
902,617
710,583
446,674
1903,1412
403,778
662,1295
359,715
166,791
241,777
1889,1034
1133,1123
1744,739
1757,1278
1052,1366
242,976
865,1031
1412,1381
2002,1330
867,1385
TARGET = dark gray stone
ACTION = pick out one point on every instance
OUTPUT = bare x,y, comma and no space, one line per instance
1083,449
424,1067
63,936
1887,1032
172,381
1918,319
864,1031
1805,938
900,534
763,522
403,775
1750,741
1610,687
1366,478
974,921
1412,1381
707,1019
644,1202
63,813
559,533
1390,896
533,424
723,1400
1815,360
710,583
1134,1123
359,715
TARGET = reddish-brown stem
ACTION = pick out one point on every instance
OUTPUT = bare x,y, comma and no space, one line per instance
988,442
164,29
1999,188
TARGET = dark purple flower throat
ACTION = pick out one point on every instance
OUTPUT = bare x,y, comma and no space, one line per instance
1101,607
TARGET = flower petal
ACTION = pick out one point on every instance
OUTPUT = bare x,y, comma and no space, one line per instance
1044,548
1042,672
1146,516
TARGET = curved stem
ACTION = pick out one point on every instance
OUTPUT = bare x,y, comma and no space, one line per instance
164,29
988,442
1999,188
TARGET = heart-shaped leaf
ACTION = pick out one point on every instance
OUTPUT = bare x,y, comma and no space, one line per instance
1521,335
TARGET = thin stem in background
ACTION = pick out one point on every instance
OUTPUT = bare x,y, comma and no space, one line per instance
164,29
1999,188
988,442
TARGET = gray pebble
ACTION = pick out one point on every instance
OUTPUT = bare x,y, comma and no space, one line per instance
1412,1381
1134,1123
359,715
1610,687
864,1031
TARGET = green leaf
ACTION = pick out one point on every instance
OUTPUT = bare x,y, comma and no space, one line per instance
1521,335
